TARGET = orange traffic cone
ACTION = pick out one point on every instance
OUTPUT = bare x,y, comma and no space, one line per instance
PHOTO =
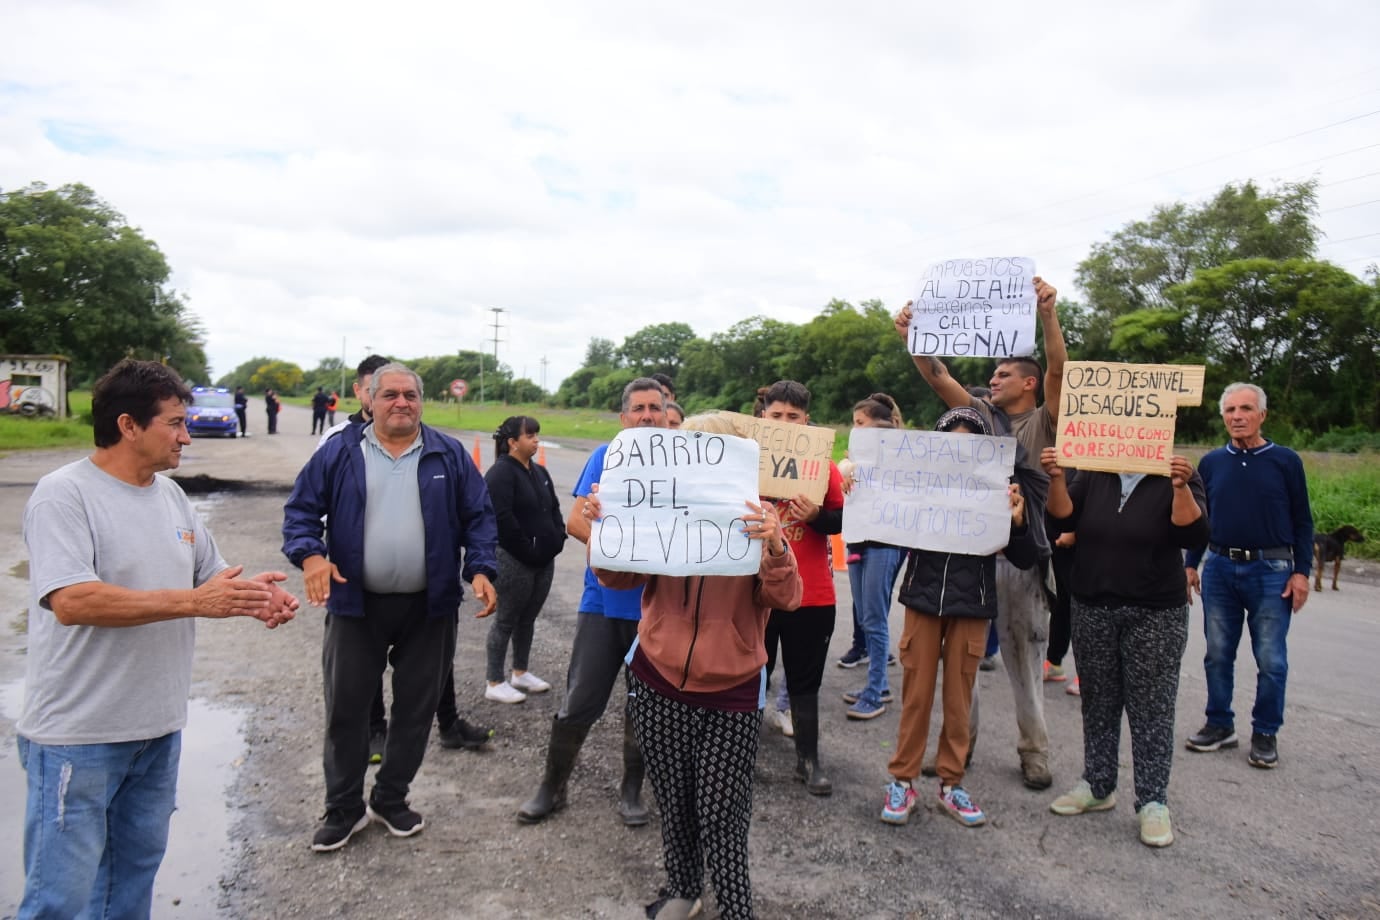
839,552
541,455
478,456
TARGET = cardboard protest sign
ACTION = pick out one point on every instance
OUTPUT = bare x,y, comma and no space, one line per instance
930,490
1119,418
795,458
672,504
975,308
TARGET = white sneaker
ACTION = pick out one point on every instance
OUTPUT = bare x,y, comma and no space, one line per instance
504,693
529,683
787,726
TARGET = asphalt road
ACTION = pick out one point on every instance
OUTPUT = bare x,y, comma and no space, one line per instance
1301,840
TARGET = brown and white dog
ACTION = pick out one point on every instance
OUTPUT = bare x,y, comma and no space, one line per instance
1331,547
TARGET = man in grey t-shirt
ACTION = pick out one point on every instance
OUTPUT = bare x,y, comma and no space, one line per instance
119,564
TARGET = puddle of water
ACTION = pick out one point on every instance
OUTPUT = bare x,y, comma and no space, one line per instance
188,884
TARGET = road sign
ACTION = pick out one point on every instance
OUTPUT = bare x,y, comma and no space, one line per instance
458,388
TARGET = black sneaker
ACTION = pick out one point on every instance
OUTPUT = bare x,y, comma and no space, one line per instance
853,658
464,735
1264,754
377,742
1212,738
400,820
337,828
891,661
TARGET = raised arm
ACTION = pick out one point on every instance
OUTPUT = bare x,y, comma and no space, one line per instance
931,368
1056,352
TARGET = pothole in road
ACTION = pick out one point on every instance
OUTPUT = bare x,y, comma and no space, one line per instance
188,884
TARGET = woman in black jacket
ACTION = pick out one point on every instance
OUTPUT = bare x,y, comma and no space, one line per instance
1130,624
531,533
950,599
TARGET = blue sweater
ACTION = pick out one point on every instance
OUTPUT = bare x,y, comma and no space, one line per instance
456,512
1257,499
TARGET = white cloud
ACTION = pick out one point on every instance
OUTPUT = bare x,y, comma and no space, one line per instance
316,171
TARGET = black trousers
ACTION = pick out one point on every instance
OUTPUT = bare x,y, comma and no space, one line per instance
353,656
804,635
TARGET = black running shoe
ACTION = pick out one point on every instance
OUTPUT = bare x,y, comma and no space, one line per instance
337,828
1264,753
464,735
400,820
1212,738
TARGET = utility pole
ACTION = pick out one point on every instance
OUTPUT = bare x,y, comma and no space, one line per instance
342,365
497,324
543,375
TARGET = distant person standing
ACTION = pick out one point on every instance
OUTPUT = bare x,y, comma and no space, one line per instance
1255,573
531,533
242,410
331,406
111,629
271,406
319,402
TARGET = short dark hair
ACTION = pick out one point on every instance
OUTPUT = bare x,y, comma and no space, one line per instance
133,388
369,365
1028,367
666,382
790,392
638,385
514,426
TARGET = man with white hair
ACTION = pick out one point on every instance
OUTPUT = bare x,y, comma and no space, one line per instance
1259,556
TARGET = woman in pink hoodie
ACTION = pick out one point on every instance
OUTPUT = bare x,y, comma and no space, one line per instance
697,687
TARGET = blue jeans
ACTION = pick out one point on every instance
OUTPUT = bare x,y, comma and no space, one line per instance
1249,592
872,580
96,825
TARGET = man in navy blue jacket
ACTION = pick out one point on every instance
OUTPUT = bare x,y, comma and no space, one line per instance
402,501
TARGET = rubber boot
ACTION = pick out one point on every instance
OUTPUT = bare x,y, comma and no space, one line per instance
805,714
561,752
630,807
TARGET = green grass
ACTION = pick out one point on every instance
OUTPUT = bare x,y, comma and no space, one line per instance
555,423
18,432
1345,489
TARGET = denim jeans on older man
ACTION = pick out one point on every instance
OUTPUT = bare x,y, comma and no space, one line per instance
1249,593
873,580
96,825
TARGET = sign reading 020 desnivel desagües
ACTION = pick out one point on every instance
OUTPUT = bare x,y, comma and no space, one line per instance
930,490
672,503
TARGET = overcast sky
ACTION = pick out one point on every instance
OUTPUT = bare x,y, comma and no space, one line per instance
386,173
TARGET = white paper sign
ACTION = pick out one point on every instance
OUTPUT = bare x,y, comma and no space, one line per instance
673,502
975,308
930,490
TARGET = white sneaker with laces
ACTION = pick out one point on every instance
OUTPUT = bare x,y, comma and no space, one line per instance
529,683
504,693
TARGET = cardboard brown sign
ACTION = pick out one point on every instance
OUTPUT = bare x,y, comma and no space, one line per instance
795,458
1119,418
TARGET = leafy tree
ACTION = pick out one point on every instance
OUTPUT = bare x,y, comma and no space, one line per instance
76,279
601,353
656,349
240,376
283,376
1136,267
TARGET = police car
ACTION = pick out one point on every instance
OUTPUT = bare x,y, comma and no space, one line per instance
212,412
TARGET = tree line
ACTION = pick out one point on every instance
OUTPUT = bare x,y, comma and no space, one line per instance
1233,283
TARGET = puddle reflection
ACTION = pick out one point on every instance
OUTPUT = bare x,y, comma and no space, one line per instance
188,884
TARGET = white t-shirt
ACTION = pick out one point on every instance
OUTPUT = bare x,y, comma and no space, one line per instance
100,684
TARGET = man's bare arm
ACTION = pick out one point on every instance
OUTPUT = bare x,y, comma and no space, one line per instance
932,369
96,603
1056,352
